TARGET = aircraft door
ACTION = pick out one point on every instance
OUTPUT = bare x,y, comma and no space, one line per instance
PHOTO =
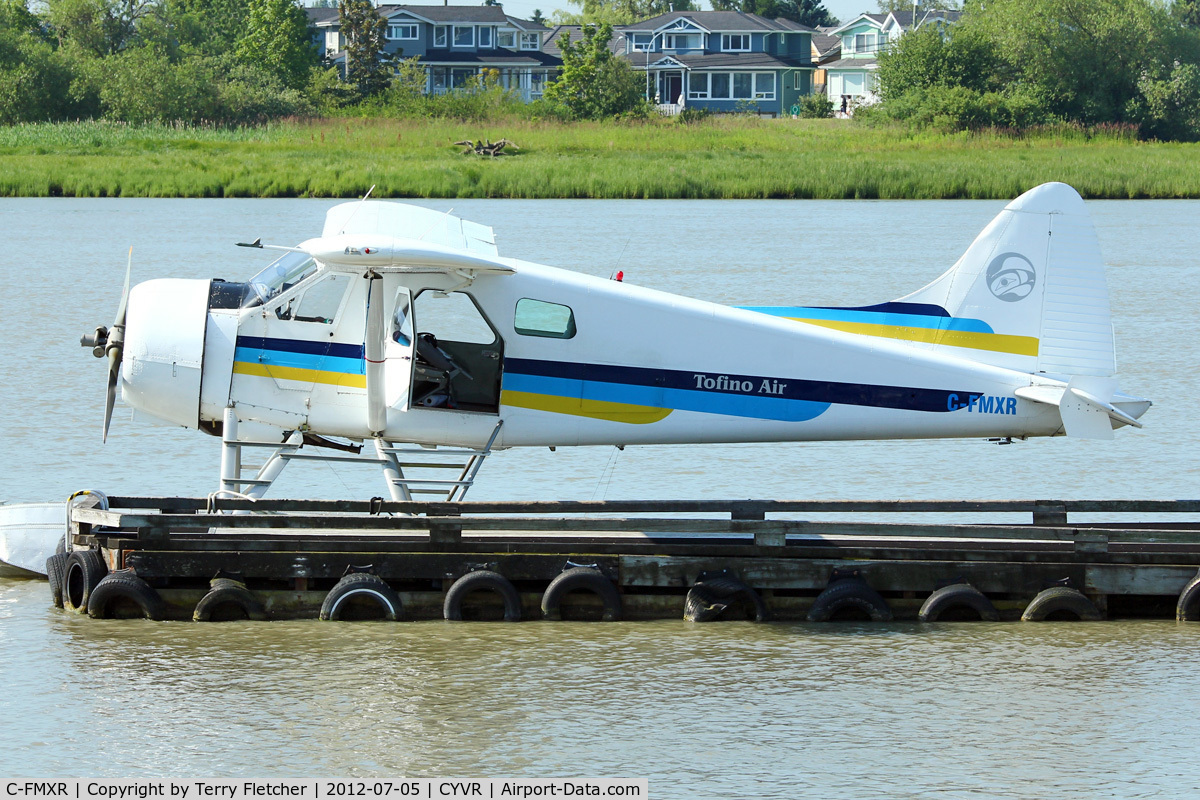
398,352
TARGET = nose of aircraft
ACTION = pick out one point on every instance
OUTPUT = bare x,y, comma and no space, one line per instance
164,349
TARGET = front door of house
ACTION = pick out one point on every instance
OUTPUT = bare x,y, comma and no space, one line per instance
672,87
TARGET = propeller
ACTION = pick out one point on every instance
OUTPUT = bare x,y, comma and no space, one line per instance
110,342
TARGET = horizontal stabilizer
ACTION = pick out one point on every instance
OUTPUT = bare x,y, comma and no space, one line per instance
1084,404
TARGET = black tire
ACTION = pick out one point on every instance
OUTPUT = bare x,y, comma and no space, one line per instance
1187,609
955,597
227,600
56,569
709,600
587,579
849,595
482,580
361,595
1060,601
83,571
123,585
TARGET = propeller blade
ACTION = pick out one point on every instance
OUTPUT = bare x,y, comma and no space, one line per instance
110,398
114,349
120,320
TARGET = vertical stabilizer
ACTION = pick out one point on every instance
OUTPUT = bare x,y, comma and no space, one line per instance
1035,278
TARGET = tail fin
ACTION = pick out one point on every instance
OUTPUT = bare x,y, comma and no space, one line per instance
1032,285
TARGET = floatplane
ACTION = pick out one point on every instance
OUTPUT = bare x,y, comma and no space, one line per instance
404,330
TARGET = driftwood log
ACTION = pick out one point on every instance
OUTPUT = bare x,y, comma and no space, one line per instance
486,147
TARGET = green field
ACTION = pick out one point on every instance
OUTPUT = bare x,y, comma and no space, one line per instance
729,157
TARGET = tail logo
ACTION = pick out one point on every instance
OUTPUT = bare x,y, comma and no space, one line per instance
1011,277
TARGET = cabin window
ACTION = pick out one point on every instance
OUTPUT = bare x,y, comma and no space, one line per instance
281,275
452,317
319,302
539,318
402,332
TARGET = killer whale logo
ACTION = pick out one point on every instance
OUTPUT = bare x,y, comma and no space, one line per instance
1011,277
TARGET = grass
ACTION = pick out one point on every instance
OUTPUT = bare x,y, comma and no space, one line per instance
724,157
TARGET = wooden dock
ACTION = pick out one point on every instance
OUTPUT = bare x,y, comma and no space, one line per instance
735,559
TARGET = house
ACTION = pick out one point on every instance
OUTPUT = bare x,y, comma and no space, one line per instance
454,44
826,48
721,60
851,80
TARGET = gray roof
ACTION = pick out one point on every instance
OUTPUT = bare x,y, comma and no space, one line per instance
851,63
322,16
497,57
826,45
616,44
722,60
719,21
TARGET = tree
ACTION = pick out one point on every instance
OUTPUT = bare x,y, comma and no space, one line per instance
620,12
1188,12
925,58
593,83
537,17
209,27
98,27
277,41
805,12
366,64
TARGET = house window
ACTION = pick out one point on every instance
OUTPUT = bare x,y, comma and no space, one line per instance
735,42
461,76
332,40
531,41
464,36
539,318
864,43
698,85
720,86
848,44
681,41
640,42
404,31
537,83
743,85
506,39
439,36
764,86
798,80
485,37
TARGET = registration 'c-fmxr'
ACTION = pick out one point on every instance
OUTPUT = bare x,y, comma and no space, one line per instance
982,404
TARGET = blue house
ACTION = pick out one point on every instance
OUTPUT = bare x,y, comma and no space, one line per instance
722,60
455,44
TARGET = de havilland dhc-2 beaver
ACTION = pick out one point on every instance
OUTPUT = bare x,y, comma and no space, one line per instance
399,324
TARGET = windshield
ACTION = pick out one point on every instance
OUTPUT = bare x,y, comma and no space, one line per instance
281,275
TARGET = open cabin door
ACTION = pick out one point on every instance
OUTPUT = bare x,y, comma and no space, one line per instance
459,356
398,353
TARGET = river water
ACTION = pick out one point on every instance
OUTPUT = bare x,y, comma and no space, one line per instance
730,710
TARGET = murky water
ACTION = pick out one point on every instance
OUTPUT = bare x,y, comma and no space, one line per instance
730,710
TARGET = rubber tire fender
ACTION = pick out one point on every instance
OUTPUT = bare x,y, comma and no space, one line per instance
361,583
56,569
849,593
581,578
954,596
226,591
1061,598
1187,609
707,600
83,571
482,579
124,584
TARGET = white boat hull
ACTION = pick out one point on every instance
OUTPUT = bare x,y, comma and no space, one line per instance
29,534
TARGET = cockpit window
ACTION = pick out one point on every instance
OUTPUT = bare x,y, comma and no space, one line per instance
281,275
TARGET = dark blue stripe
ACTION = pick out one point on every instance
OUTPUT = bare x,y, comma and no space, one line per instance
918,309
301,346
854,394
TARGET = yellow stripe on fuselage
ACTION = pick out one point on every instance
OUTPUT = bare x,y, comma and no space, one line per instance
996,342
593,409
302,375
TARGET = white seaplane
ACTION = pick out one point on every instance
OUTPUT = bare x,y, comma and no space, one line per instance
404,328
